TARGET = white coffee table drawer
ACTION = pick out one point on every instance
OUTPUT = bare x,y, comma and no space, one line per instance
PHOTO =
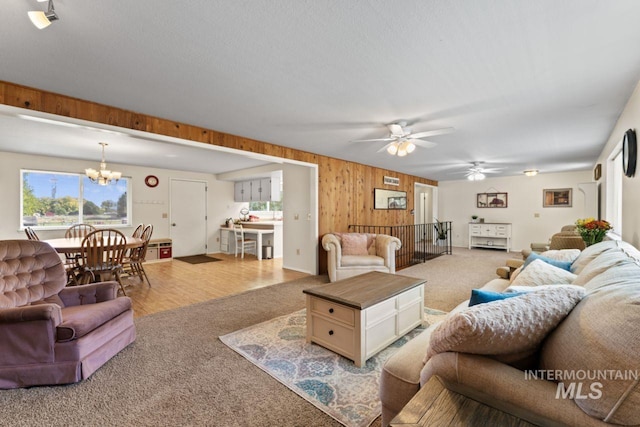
333,310
334,336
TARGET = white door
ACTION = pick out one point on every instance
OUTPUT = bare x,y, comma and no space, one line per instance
188,217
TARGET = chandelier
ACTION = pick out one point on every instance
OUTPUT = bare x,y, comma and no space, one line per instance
401,148
103,176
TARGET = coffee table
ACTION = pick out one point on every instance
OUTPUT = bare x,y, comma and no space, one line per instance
359,316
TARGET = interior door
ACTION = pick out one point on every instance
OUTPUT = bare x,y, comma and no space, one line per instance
188,217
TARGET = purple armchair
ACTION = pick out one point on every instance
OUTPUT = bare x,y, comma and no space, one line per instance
50,334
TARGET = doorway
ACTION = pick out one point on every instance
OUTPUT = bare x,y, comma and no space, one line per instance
188,217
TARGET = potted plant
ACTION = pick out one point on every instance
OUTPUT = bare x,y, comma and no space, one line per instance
441,231
474,218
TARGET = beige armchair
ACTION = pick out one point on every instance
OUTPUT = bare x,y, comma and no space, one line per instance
351,254
567,238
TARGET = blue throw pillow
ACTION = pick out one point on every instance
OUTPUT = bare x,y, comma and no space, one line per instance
478,296
565,265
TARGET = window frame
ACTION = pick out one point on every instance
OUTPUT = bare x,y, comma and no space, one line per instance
81,199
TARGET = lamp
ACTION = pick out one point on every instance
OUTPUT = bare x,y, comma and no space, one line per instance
401,148
531,172
103,176
43,19
476,176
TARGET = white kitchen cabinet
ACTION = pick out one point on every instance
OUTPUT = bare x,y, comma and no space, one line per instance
490,235
256,190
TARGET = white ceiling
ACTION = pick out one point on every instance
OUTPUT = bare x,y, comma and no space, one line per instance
526,84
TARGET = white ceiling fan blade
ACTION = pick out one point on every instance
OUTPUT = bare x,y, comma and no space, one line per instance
432,133
373,140
422,143
396,129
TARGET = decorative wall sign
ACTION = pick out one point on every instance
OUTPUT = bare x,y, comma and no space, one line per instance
597,172
389,180
557,198
492,200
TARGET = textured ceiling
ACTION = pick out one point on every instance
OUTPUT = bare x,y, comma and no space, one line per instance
526,84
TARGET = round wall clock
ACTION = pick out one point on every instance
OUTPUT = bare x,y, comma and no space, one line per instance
151,181
629,153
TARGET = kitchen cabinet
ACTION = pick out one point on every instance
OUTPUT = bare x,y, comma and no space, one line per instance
255,190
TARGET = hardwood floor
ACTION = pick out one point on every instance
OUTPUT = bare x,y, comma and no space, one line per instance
177,283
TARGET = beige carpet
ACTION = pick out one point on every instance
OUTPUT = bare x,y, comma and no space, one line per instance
178,373
450,278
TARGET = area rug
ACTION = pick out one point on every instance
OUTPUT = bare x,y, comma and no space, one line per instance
329,381
197,259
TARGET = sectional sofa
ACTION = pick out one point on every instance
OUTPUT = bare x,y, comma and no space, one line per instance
581,369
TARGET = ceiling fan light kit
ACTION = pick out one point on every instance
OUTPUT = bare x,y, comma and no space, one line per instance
531,172
43,19
476,176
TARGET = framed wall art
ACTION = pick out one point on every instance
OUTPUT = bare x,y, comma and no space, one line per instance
492,200
557,198
389,199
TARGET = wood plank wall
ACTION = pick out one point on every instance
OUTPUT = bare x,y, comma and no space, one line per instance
345,188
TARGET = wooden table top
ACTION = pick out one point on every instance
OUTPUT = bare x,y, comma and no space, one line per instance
366,289
72,245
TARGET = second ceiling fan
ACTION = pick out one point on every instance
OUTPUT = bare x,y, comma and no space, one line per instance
401,141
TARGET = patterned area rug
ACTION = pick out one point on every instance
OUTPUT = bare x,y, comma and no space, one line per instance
330,382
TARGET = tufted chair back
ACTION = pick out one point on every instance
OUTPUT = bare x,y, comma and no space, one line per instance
30,271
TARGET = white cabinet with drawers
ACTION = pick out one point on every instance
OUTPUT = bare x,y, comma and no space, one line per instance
490,235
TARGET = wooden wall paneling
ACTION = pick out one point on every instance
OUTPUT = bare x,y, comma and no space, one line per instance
345,188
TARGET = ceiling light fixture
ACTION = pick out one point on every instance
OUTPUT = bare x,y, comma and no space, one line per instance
476,176
531,172
401,148
103,176
43,19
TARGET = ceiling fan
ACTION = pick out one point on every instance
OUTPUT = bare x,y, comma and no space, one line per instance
401,141
478,173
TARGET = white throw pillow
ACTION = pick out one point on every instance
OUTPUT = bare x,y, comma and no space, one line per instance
540,273
562,254
511,326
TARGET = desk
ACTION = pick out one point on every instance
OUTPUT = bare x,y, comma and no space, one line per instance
258,232
74,245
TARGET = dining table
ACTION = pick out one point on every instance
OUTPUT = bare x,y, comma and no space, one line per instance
64,245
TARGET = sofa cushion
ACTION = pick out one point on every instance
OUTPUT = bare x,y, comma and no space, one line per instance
354,244
79,320
507,327
599,265
480,296
540,273
600,340
565,265
362,261
590,253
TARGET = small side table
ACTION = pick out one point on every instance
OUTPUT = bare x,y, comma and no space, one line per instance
434,405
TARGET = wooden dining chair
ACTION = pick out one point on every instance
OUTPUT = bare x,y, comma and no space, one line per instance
132,265
102,252
72,259
242,243
31,234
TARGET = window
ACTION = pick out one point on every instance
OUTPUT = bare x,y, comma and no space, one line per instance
58,200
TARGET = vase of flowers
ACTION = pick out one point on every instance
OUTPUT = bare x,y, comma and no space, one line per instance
592,230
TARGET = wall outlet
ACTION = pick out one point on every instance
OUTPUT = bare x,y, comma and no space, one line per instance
296,217
165,215
536,215
297,251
